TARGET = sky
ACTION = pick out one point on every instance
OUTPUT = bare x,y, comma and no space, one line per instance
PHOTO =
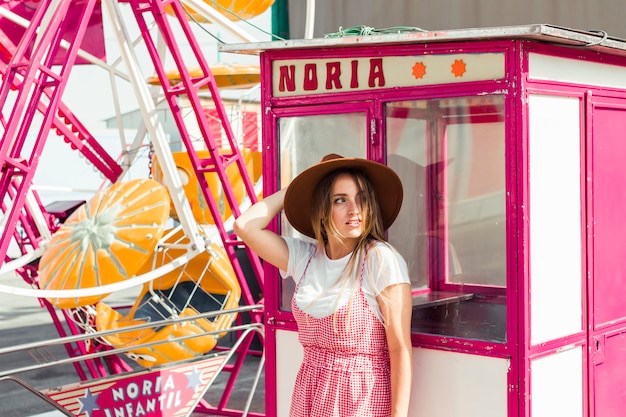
89,95
97,80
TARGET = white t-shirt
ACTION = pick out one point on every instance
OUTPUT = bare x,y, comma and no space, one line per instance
318,294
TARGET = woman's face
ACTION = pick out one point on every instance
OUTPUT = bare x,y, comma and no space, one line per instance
347,207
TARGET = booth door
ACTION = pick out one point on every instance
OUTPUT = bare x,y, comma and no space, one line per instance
304,134
607,309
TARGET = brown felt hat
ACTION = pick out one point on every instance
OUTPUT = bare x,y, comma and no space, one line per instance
299,195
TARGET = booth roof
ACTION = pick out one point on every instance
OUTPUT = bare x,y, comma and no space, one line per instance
594,40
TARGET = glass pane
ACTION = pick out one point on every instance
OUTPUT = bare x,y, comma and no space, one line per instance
304,140
476,203
407,130
450,156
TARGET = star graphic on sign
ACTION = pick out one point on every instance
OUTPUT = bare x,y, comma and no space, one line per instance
194,379
88,403
458,68
419,70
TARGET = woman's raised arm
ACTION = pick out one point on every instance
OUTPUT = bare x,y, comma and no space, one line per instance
251,227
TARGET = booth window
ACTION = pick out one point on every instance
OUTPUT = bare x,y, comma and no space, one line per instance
304,140
450,155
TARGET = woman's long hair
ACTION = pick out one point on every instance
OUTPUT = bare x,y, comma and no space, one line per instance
371,221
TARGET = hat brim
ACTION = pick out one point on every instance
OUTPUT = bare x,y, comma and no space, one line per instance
299,195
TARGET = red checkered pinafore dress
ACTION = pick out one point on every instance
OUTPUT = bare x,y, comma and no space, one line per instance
345,371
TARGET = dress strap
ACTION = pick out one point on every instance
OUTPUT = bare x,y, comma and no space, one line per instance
363,269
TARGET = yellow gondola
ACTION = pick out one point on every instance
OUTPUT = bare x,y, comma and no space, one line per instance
191,186
231,76
232,9
206,283
106,240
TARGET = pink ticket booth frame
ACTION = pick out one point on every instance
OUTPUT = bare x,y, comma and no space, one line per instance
510,144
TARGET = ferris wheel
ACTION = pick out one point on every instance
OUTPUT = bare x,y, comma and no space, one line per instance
166,233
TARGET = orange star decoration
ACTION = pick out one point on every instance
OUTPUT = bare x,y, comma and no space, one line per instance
458,68
419,70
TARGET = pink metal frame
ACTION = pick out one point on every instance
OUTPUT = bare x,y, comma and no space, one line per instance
24,70
527,351
599,330
583,339
18,170
34,68
517,348
189,87
285,107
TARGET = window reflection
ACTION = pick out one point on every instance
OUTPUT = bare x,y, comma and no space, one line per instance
451,230
304,140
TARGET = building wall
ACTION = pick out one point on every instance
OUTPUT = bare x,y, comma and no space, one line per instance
330,15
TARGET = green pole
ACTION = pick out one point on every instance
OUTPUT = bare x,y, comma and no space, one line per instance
280,19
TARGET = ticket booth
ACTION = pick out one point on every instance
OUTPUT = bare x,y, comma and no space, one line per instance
511,144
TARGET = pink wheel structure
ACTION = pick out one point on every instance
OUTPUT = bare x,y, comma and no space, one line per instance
72,254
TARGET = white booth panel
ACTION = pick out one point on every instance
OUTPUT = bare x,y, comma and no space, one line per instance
556,384
452,384
552,68
555,217
289,354
437,377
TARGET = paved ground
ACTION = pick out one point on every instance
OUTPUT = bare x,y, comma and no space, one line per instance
23,320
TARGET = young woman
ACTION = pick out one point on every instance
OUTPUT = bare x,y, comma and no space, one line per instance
352,301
